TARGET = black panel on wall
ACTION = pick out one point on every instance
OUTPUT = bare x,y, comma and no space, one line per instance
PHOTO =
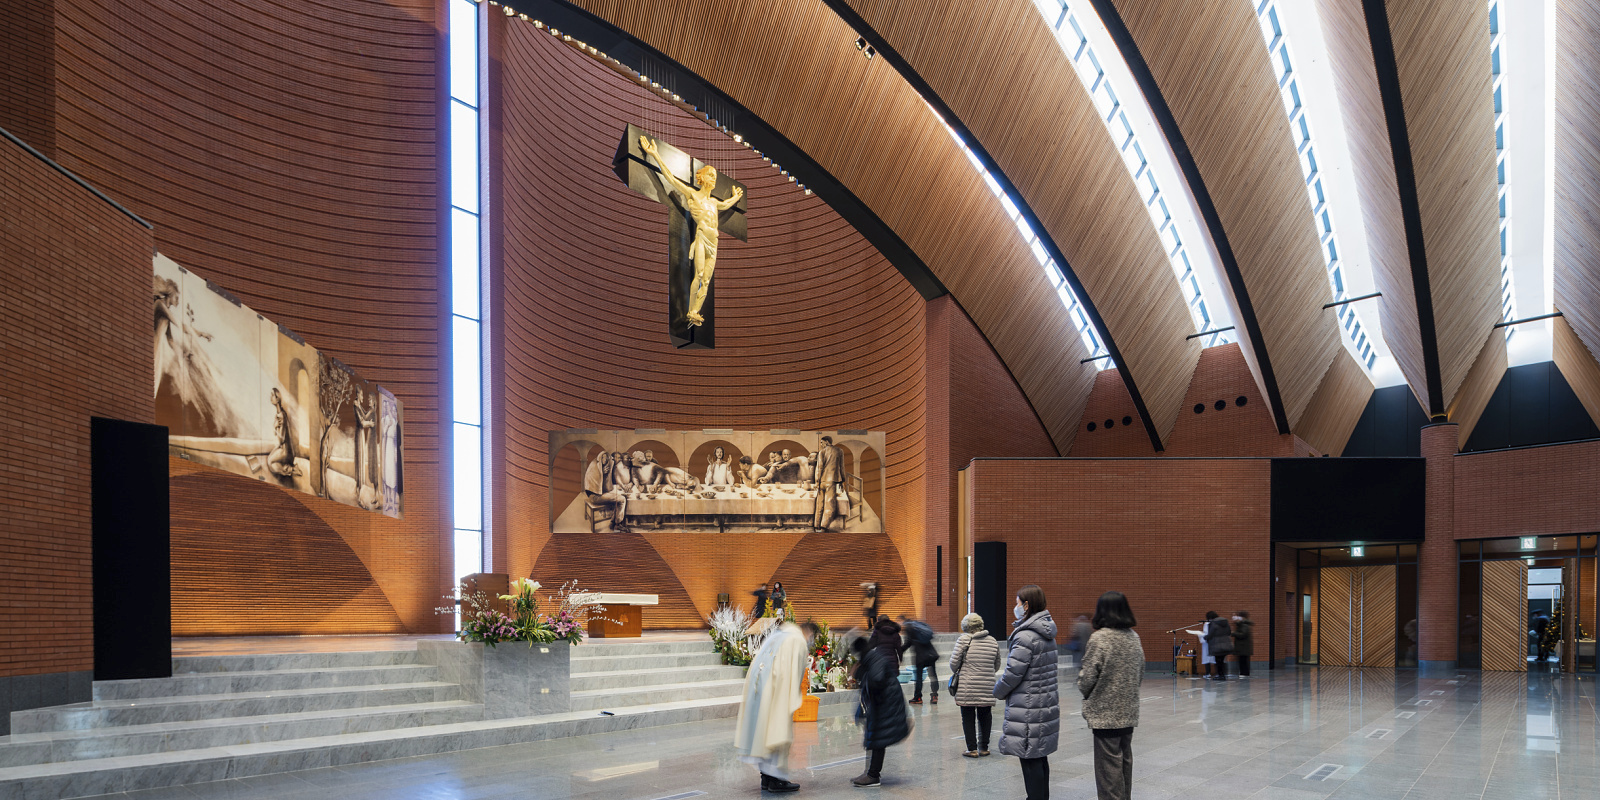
132,550
1533,404
1348,499
1390,426
989,593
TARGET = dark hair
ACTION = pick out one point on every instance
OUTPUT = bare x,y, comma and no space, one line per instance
810,627
1244,614
1113,612
1211,615
828,439
1032,597
745,460
882,618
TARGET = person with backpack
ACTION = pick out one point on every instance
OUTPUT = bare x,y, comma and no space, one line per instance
1219,639
919,640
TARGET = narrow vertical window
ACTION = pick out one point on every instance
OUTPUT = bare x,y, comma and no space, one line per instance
464,127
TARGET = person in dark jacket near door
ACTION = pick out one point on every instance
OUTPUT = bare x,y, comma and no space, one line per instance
1243,641
886,638
919,640
1113,667
973,663
1032,727
882,710
1219,638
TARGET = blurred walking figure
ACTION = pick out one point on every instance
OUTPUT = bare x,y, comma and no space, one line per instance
1113,666
772,693
869,603
1243,641
973,664
760,610
1032,726
881,708
919,640
1081,631
1219,639
886,639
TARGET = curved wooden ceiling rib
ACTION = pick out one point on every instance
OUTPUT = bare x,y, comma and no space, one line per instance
1206,73
794,64
1030,114
1577,188
1415,88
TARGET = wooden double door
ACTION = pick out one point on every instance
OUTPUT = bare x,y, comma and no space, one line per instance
1357,625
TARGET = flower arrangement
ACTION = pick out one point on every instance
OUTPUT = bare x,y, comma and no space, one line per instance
831,662
728,627
488,624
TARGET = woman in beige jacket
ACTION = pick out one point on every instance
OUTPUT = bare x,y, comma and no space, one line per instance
973,664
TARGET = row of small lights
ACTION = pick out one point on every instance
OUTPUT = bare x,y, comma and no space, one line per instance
645,82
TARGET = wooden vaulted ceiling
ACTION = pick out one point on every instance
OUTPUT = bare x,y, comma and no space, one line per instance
1577,190
1415,82
794,64
1414,87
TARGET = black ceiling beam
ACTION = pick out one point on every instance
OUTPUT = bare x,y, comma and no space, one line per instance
1405,178
910,74
1131,54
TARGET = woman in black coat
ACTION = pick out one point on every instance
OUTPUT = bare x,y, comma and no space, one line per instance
886,639
882,711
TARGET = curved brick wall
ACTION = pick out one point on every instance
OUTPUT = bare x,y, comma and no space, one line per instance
286,151
815,329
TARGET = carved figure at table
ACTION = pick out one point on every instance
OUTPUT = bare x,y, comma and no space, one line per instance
601,491
703,210
622,478
280,461
753,474
648,476
679,479
830,486
719,473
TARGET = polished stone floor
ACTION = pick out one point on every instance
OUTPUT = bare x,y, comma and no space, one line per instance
1368,734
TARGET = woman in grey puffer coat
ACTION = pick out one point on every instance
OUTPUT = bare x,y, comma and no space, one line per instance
975,661
1032,725
1113,666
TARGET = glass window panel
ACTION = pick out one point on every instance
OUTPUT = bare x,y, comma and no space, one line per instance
1150,197
464,284
1133,159
464,51
1499,106
1105,99
1039,253
469,553
1500,136
464,157
468,468
466,371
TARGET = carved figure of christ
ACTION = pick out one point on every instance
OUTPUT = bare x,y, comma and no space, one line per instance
703,210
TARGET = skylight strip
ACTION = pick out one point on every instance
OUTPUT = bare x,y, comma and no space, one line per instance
1207,313
1499,86
1300,133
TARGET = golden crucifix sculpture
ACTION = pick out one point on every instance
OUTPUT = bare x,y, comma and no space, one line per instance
703,209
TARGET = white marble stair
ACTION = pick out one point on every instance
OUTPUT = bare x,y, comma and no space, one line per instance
271,680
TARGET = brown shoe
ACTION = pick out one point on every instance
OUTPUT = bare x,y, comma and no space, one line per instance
971,754
983,753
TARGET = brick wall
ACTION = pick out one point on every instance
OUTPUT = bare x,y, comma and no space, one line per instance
27,72
75,322
974,409
288,152
816,330
1528,491
1233,431
1178,536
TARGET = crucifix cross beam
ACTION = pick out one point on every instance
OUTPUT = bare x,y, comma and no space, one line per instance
673,178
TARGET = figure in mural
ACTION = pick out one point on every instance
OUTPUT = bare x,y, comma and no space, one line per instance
602,492
703,209
366,423
719,473
334,390
752,474
183,364
830,486
280,461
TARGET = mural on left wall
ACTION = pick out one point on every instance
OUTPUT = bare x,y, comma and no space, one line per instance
240,393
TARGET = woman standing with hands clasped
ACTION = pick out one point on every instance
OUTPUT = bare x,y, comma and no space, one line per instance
1032,726
972,666
1113,666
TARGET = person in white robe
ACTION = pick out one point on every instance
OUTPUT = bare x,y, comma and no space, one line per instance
773,690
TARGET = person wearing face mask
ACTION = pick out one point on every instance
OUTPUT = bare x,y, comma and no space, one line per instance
1032,726
772,693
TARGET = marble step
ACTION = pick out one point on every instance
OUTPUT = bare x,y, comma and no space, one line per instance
162,737
629,679
262,681
184,665
90,777
109,713
606,699
661,661
594,648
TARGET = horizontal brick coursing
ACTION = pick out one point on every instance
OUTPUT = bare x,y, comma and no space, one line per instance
1177,536
75,322
1528,491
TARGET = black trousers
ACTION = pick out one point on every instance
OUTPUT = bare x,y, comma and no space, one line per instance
1221,672
875,762
1036,777
1113,762
1244,664
933,679
975,723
